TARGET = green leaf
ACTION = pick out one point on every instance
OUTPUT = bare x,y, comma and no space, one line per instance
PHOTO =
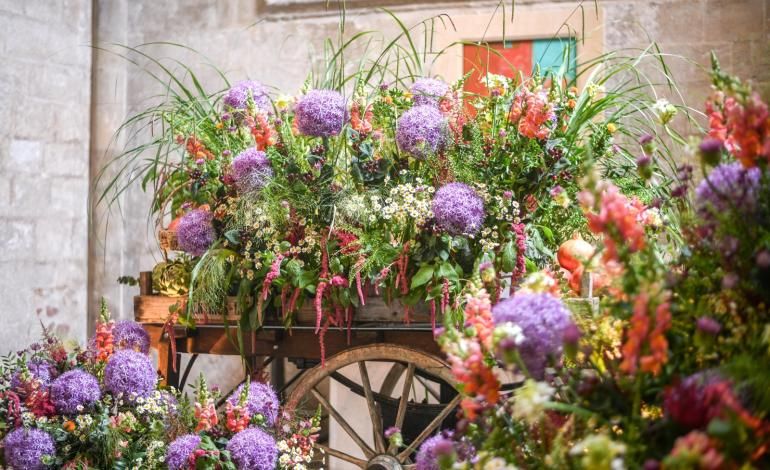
508,261
531,266
424,275
446,271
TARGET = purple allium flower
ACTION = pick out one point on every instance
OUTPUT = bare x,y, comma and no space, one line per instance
129,372
253,449
543,319
262,400
75,391
730,281
708,325
421,131
25,448
251,170
41,370
195,234
728,185
458,210
179,451
129,334
321,113
237,96
432,450
428,91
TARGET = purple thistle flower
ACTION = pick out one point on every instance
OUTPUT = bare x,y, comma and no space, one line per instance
543,319
39,370
458,210
421,131
179,451
432,450
75,391
237,96
253,449
25,448
321,113
728,185
251,170
428,91
129,334
195,233
708,325
130,373
262,400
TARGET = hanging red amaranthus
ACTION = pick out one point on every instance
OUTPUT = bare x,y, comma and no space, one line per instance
521,246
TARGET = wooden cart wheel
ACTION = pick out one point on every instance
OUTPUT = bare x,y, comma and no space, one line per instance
414,370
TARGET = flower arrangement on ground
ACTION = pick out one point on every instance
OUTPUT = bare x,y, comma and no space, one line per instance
101,407
671,372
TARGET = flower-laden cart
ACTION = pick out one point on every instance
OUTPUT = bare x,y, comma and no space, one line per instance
341,228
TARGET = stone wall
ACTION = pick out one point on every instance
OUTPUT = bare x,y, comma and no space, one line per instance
45,88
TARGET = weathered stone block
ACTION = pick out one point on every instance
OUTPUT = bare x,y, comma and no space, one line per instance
17,239
24,156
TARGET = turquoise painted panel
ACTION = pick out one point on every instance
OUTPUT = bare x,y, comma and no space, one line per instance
552,54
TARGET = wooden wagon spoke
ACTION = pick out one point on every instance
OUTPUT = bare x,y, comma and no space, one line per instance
341,421
402,404
342,455
379,438
430,390
429,429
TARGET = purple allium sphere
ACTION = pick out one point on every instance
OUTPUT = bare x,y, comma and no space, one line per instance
237,96
25,448
321,113
708,325
179,451
253,449
728,185
262,400
251,170
41,370
195,234
75,391
421,131
432,450
543,319
428,91
130,373
129,334
458,210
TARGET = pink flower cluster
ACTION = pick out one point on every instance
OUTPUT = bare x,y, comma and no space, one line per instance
532,111
618,218
742,124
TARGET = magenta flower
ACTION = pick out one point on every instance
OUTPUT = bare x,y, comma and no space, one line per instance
729,186
421,131
129,334
251,170
238,96
74,392
180,450
262,400
253,449
543,319
321,113
428,91
25,448
195,232
458,210
130,373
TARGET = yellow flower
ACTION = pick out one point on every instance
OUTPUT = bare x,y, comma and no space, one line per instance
611,128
